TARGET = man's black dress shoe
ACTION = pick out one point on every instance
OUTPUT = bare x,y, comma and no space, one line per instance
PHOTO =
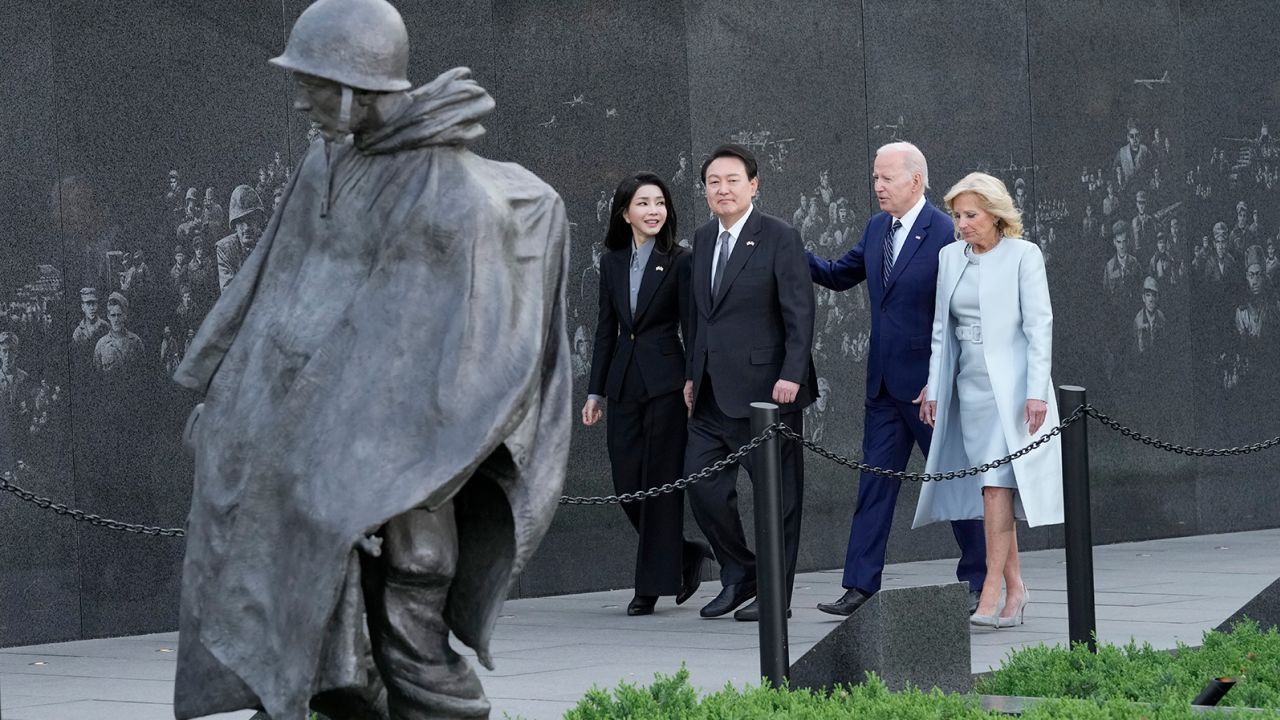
751,613
691,575
850,601
973,601
729,598
642,605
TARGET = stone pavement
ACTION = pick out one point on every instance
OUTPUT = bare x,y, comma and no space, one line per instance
549,651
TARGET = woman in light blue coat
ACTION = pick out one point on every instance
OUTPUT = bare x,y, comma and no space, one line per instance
989,390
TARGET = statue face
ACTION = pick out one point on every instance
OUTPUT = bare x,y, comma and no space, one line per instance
321,100
90,309
1149,301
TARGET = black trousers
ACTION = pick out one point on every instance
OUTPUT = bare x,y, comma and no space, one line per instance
646,440
713,435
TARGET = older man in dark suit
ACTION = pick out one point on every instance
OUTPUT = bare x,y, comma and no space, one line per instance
898,258
751,337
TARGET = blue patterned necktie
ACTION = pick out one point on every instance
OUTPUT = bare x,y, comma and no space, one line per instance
888,249
722,259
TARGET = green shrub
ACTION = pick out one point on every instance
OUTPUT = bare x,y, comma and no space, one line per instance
672,698
1117,709
1144,674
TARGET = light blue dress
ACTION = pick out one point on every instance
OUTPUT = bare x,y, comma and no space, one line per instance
979,417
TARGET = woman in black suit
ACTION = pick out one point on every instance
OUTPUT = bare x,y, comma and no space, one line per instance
639,365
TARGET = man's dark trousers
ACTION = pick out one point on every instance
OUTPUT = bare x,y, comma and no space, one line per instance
713,435
890,428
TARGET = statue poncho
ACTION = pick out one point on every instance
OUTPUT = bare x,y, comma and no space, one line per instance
397,340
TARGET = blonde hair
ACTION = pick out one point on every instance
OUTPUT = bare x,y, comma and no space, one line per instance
994,197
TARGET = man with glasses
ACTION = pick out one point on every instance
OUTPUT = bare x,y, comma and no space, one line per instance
1133,156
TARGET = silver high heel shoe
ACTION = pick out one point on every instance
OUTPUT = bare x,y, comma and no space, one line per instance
1017,617
990,621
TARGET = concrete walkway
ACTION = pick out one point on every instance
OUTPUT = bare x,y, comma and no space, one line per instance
549,651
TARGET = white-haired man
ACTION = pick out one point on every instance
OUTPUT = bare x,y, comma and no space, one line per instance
898,257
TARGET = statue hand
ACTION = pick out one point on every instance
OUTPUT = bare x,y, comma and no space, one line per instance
370,545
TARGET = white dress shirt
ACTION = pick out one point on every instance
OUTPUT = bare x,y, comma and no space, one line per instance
909,219
734,232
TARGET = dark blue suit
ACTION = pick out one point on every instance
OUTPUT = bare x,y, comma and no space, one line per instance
897,369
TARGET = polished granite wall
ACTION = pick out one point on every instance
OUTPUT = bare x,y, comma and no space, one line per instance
106,100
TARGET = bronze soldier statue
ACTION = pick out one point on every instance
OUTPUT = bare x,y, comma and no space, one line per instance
383,437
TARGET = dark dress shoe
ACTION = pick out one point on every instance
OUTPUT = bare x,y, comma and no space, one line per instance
642,605
691,575
973,601
751,613
729,598
850,601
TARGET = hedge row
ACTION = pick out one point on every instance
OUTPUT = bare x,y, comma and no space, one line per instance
1074,682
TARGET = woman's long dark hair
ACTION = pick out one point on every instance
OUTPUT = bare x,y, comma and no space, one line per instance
620,233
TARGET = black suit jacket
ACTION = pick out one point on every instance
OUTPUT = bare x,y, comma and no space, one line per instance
646,342
760,328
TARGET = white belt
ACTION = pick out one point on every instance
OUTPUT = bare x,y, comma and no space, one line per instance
972,333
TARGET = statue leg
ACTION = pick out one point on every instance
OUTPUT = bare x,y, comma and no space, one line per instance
424,677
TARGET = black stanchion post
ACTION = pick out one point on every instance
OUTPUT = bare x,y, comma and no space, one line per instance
1213,693
1082,624
770,573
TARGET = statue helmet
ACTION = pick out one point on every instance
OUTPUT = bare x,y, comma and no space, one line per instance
191,194
362,44
244,200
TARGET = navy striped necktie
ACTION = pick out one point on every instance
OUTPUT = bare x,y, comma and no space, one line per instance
888,249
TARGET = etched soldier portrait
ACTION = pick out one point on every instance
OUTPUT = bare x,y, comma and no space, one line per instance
118,352
15,383
1120,276
91,327
1254,319
1133,156
1149,325
1143,223
245,217
1221,268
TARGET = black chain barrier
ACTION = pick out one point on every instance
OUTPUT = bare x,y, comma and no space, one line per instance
1180,449
682,483
935,477
777,429
7,485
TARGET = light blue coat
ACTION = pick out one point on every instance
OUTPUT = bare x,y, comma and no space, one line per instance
1017,343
